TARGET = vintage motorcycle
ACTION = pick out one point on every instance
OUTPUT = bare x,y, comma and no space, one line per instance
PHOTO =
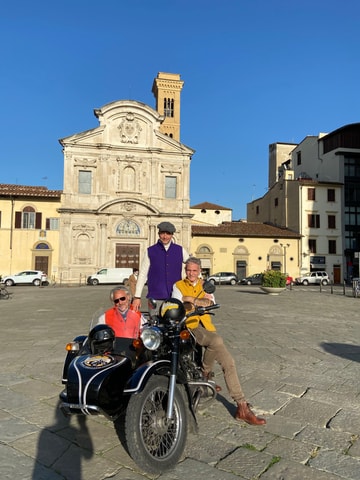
150,387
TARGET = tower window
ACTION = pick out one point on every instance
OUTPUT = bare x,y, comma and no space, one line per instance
169,107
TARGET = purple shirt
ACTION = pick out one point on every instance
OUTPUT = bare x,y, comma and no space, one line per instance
165,269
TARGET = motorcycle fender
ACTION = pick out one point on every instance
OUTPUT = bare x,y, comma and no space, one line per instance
140,377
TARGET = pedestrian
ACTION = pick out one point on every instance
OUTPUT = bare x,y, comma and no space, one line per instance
161,267
132,281
190,291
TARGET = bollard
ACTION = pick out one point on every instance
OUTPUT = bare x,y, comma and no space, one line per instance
320,286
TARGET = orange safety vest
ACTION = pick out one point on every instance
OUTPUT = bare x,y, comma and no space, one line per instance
189,290
128,328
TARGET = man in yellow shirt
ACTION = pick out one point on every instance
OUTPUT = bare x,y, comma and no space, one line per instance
190,291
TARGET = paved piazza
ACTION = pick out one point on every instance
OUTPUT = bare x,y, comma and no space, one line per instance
298,359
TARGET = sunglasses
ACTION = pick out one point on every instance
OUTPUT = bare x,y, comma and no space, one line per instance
120,299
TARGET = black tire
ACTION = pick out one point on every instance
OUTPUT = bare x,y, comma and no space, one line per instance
324,282
36,282
305,282
232,282
155,443
9,283
95,282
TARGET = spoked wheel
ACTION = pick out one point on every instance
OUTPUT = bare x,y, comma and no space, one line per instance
155,442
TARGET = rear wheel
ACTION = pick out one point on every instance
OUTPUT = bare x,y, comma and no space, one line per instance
36,282
232,281
324,282
155,442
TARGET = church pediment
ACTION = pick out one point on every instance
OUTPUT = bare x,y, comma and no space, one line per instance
127,124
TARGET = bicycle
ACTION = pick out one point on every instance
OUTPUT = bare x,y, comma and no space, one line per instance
4,293
356,287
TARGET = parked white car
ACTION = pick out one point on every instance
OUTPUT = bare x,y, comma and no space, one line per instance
26,277
313,278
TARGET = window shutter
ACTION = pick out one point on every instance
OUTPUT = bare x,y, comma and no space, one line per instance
18,219
38,221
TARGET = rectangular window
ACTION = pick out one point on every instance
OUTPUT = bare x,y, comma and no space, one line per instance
170,187
257,209
331,221
52,223
311,193
85,178
331,195
276,202
298,158
332,246
313,221
28,220
312,245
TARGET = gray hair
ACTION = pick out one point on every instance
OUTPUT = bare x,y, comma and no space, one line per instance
195,260
116,289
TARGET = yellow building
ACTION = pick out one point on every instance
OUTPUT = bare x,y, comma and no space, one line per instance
246,248
29,229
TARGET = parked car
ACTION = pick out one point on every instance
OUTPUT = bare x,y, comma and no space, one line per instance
26,277
313,278
229,278
254,279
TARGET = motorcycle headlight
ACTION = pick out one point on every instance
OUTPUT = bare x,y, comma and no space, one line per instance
151,338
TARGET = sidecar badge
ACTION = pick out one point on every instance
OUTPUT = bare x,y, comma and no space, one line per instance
98,361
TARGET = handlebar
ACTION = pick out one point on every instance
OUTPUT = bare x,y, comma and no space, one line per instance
202,310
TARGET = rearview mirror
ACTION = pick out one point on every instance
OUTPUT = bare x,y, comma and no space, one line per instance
209,287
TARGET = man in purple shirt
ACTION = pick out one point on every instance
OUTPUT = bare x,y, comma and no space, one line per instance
161,267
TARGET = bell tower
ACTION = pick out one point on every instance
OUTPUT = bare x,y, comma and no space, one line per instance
166,89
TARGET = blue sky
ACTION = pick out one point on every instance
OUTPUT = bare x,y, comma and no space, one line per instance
256,72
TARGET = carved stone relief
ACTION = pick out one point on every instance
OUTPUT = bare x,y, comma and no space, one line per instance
129,129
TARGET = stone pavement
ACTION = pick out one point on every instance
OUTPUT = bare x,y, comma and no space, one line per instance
298,359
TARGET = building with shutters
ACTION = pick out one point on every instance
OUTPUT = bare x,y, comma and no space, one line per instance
29,229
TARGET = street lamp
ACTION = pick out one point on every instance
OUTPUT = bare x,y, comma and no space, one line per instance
285,246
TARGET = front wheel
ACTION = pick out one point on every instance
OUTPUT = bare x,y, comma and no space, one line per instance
155,442
9,283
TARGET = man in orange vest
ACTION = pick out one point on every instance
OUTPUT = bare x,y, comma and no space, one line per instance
125,321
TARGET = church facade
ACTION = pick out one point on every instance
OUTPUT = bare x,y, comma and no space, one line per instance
121,179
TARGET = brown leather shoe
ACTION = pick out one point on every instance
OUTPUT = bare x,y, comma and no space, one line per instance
243,412
208,377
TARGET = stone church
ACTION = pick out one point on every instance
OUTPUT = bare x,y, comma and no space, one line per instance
121,179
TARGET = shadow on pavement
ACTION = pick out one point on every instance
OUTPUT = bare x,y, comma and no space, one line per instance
344,350
66,454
